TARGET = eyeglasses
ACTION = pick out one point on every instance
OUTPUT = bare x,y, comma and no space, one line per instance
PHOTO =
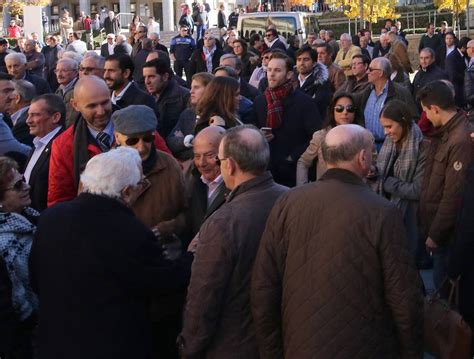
348,108
87,69
266,57
132,141
372,69
268,35
219,160
58,71
18,186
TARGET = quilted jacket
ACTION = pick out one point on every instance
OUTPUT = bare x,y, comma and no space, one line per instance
449,156
333,277
217,320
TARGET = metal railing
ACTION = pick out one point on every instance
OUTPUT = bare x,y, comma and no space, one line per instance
413,22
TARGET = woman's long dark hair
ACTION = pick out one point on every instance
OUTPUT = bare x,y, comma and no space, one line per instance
330,120
398,112
218,99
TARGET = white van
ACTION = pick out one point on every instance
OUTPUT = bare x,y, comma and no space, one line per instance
287,23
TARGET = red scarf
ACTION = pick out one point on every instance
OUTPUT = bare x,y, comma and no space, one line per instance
274,99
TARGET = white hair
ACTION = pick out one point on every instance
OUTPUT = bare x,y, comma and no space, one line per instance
73,56
107,174
346,36
16,56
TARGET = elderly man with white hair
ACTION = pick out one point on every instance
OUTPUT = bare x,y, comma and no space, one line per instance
16,66
340,278
344,56
381,91
122,46
95,266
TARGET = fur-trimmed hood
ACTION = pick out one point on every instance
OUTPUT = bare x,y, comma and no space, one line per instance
320,74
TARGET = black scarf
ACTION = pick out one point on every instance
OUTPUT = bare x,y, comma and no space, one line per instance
82,138
150,162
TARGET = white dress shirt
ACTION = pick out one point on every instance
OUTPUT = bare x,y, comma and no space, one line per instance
40,144
18,114
118,97
212,185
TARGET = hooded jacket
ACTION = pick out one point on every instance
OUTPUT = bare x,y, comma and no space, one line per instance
317,86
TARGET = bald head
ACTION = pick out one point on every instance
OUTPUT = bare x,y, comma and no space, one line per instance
89,85
247,146
206,148
211,135
349,147
92,100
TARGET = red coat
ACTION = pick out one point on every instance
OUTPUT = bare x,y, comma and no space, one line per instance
61,183
14,31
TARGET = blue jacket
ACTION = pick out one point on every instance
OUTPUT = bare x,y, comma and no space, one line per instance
182,47
8,143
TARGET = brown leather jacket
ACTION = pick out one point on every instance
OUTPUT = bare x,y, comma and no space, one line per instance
449,156
333,277
162,202
217,320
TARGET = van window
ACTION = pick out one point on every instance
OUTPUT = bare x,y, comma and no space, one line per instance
310,24
286,26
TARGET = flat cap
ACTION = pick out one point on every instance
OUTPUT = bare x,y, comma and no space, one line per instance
134,119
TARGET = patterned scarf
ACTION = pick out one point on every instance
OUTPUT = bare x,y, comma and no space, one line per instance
16,238
404,165
207,56
274,99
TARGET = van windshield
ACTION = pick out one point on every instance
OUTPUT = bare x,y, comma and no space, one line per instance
285,26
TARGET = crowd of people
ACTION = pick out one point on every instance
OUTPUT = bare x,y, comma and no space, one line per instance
226,198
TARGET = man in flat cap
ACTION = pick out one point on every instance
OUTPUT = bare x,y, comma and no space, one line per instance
160,205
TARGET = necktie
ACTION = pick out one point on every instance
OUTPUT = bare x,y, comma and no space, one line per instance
104,141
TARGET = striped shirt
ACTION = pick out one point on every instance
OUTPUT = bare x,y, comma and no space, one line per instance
372,111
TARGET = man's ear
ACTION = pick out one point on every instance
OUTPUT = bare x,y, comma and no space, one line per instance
56,117
232,166
127,194
74,104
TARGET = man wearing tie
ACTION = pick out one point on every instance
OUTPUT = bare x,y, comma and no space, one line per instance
46,117
91,134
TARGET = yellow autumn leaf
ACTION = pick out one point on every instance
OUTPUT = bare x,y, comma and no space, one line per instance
373,10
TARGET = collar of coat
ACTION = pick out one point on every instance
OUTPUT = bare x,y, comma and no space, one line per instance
320,74
264,178
455,121
160,164
342,175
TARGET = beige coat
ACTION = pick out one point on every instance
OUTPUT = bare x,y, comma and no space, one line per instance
343,60
313,152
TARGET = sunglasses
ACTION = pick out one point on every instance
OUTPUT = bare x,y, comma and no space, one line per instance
348,108
132,141
18,186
